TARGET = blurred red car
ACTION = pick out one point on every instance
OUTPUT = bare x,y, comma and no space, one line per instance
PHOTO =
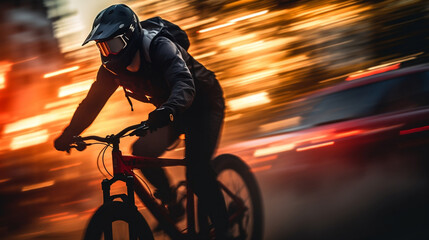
355,164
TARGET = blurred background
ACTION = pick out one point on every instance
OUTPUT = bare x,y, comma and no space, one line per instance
266,54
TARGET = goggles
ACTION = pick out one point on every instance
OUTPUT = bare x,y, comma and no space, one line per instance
113,46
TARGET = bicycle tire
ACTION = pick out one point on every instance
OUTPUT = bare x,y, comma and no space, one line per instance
229,162
117,211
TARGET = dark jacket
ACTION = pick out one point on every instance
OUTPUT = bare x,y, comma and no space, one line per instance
172,80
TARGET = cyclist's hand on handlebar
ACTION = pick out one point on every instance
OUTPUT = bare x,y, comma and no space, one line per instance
62,143
159,118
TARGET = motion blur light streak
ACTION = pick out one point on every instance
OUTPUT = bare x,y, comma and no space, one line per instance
75,88
260,169
63,102
4,68
237,39
23,124
373,72
65,166
249,101
30,139
38,186
264,159
2,80
63,218
75,202
32,122
199,23
215,27
62,71
315,146
4,180
348,134
205,55
249,16
286,123
414,130
233,21
274,149
54,215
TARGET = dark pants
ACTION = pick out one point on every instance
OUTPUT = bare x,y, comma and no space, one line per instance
202,133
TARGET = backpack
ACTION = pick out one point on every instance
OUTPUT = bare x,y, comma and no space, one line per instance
156,26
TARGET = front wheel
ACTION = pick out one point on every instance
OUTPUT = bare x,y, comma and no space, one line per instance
117,220
241,191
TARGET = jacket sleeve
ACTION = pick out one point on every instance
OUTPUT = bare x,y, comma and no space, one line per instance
168,59
90,107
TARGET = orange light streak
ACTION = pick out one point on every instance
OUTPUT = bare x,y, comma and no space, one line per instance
348,134
38,186
63,218
274,149
263,168
65,166
264,159
4,68
4,180
2,80
54,215
30,139
233,21
315,146
249,101
26,123
205,55
62,71
75,88
75,202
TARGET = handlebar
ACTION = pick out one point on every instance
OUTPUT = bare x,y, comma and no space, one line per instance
80,144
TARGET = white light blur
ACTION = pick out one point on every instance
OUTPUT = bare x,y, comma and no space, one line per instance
75,88
62,71
248,101
30,139
233,21
274,149
249,16
23,124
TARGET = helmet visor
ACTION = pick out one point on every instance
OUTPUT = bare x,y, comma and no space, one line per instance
112,46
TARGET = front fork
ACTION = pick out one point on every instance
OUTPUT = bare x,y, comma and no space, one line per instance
126,198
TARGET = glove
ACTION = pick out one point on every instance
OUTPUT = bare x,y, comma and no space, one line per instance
62,143
159,118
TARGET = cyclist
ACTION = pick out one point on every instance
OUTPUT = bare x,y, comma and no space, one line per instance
189,103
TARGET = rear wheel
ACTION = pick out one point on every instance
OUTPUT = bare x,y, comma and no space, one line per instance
117,220
240,190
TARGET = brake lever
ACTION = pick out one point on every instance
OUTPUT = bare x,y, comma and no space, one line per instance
140,131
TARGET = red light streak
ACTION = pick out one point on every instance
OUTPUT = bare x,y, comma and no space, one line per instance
373,72
414,130
325,144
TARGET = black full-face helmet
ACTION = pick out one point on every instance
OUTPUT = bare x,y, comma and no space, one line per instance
117,33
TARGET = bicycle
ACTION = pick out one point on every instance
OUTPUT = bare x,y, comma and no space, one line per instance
243,199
